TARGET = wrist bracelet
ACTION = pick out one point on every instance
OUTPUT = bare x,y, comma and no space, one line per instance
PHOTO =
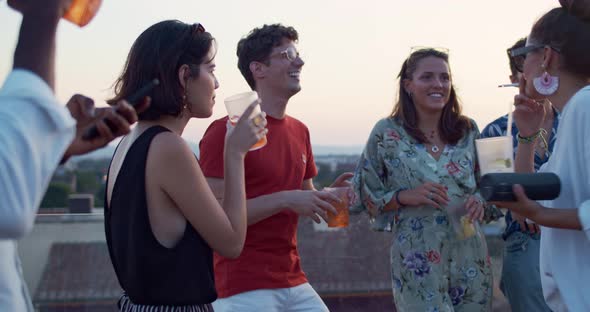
529,139
542,133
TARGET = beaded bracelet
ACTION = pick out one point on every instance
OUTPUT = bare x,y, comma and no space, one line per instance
529,139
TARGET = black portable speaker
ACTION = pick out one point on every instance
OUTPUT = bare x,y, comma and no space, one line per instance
537,186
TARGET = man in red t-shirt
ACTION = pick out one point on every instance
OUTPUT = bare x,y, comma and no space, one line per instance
267,276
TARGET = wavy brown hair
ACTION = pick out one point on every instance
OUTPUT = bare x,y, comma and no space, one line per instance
452,126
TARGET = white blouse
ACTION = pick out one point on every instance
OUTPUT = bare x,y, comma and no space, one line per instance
35,131
565,254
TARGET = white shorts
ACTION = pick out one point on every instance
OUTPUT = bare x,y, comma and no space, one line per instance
301,298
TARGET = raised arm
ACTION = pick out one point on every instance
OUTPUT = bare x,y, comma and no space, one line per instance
223,226
528,115
35,50
31,145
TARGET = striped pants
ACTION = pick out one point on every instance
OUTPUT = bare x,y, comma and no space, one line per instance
125,305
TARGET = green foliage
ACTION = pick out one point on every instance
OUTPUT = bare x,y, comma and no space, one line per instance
88,178
56,195
326,176
99,196
93,164
87,182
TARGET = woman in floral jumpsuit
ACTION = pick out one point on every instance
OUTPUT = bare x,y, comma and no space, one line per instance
416,164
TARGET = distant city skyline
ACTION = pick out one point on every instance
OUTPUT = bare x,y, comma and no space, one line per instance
318,150
353,52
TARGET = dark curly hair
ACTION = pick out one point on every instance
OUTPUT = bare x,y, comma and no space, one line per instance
158,53
258,44
453,125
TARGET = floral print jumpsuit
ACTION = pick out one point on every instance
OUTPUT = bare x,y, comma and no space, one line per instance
432,267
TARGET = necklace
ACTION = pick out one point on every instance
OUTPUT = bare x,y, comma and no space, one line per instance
434,148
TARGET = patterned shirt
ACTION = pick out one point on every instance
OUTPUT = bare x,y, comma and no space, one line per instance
393,161
439,262
499,127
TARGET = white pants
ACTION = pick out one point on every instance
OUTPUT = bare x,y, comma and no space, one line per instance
301,298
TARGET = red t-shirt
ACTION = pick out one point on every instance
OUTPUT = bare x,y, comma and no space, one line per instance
270,258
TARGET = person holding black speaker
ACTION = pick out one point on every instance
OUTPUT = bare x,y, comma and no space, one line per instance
556,67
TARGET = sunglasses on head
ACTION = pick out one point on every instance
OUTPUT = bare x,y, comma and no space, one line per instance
427,48
197,28
518,55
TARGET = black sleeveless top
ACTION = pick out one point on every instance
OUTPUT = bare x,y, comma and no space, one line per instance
149,273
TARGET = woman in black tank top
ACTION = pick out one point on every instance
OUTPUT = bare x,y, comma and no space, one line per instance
161,219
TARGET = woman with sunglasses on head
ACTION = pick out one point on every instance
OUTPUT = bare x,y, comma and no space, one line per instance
162,221
557,67
418,162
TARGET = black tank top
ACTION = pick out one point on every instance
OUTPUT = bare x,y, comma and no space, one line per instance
149,273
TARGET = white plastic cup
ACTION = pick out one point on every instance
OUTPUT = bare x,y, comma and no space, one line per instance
237,104
495,154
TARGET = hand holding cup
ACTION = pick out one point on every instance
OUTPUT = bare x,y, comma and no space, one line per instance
247,131
236,106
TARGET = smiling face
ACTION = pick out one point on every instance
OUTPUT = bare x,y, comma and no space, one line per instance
282,73
430,84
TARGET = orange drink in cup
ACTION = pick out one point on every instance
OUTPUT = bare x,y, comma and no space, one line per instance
342,218
237,104
81,12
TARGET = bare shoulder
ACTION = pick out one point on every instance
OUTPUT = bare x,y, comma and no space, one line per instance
170,148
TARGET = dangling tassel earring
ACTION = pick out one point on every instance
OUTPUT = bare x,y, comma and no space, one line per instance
546,84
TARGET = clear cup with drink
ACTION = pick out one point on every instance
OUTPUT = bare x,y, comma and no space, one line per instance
495,154
342,218
237,104
459,218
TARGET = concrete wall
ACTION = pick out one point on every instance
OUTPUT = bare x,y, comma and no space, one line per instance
34,248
